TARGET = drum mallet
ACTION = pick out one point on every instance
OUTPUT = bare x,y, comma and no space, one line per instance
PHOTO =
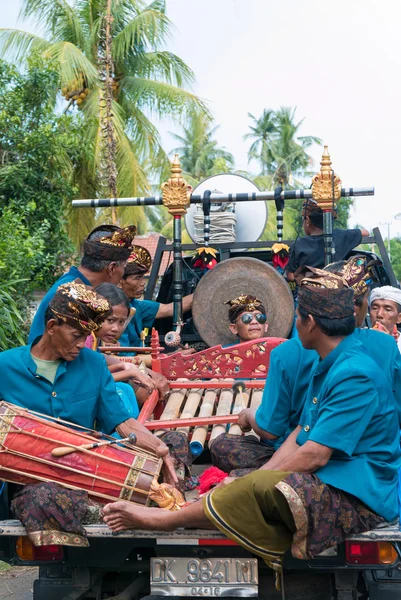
64,450
239,388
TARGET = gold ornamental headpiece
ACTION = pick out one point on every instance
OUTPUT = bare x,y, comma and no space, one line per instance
139,261
242,304
109,242
80,306
357,272
325,294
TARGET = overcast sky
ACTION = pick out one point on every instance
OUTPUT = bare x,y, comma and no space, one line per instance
339,63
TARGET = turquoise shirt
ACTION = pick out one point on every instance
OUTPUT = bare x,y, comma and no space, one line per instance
350,408
286,386
38,323
146,311
83,390
289,376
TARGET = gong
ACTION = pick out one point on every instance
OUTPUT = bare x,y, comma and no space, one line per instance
230,279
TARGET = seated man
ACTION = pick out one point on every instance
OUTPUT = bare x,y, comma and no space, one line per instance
288,380
247,317
59,377
385,310
309,250
106,250
342,459
146,311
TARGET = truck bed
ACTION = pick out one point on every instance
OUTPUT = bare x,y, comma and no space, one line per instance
390,533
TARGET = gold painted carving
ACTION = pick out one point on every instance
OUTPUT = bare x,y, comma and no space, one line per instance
176,192
166,496
322,184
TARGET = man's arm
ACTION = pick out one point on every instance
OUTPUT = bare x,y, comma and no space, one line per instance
306,459
365,232
288,448
166,310
247,421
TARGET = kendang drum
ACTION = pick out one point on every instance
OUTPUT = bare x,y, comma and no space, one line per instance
29,442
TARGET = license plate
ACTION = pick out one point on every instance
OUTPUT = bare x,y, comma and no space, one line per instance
204,577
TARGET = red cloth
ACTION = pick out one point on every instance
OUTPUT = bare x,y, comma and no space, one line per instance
212,476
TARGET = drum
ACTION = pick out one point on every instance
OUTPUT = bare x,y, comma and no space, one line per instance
107,473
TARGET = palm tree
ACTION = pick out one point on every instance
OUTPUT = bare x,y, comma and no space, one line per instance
262,132
145,79
200,155
289,149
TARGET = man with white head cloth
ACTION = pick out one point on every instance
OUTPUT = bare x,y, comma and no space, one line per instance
385,310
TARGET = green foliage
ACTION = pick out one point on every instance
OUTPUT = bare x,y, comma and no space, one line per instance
38,150
11,321
149,81
278,148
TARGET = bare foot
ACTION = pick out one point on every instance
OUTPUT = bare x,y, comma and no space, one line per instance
126,515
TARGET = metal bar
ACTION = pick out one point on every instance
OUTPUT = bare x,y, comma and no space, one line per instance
242,245
177,272
217,198
191,422
328,237
154,273
384,256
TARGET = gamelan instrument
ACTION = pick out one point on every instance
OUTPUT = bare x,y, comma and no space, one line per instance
107,472
208,389
230,279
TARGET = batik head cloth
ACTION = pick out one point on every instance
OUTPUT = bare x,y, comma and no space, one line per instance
357,272
242,304
114,245
138,262
325,294
80,306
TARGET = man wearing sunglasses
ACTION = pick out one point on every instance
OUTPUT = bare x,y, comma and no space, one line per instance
247,317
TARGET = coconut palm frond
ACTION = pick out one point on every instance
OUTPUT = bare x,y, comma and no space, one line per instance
15,45
57,18
163,98
162,65
148,28
72,63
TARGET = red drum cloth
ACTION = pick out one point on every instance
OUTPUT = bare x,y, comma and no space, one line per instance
107,473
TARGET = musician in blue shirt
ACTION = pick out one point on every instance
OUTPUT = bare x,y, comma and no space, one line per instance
146,311
106,250
59,377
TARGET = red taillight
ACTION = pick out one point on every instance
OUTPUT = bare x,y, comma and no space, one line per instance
370,553
27,551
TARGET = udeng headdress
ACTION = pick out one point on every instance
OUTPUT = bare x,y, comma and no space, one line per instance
116,245
325,294
80,306
242,304
139,261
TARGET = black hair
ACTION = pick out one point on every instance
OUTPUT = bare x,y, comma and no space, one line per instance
316,218
49,314
330,327
113,294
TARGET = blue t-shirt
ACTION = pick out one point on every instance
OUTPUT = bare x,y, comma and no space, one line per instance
83,390
284,393
350,408
127,395
289,375
38,323
145,314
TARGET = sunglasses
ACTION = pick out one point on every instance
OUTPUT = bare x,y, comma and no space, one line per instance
246,318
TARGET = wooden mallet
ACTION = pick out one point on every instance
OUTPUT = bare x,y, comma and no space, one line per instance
64,450
239,388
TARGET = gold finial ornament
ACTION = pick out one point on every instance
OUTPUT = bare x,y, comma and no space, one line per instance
176,192
322,183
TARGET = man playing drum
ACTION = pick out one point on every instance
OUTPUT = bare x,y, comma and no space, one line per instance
57,376
337,471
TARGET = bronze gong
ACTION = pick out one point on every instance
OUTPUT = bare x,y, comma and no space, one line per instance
230,279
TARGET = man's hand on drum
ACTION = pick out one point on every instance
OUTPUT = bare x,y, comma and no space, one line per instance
243,420
148,441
